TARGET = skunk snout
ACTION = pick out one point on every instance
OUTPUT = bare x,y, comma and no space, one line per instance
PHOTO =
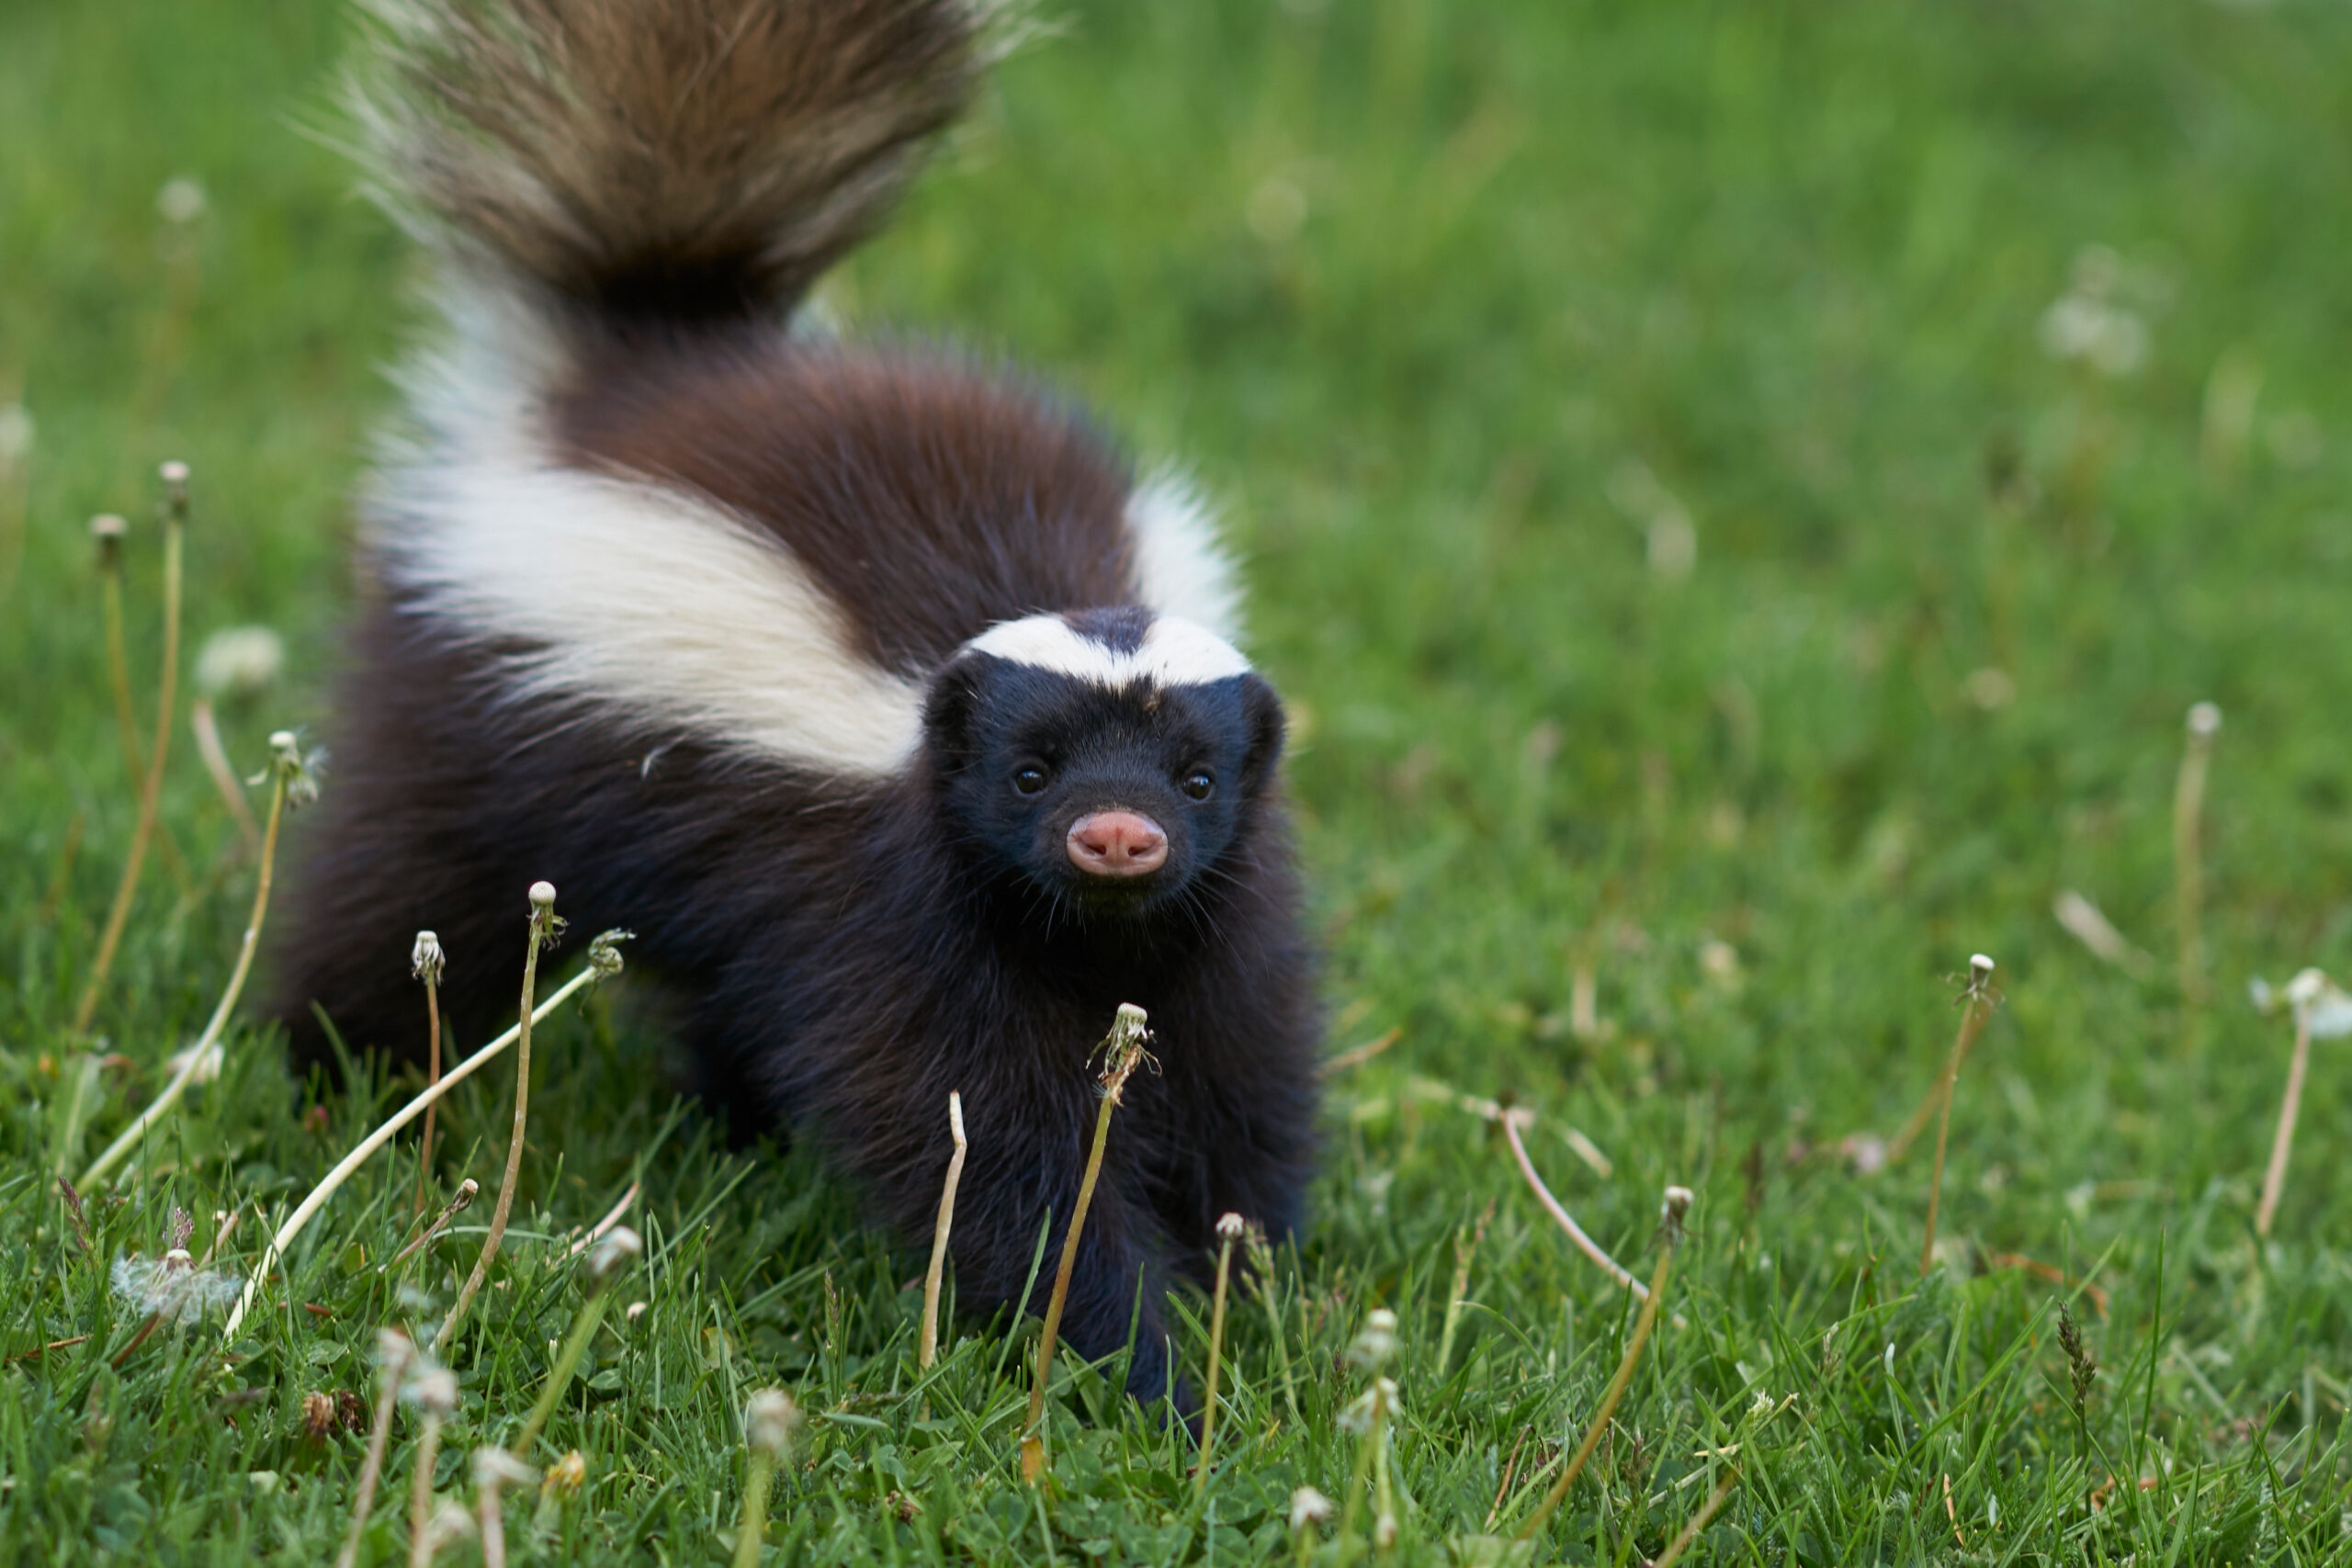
1117,843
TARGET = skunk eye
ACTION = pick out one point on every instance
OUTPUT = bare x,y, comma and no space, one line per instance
1029,781
1197,785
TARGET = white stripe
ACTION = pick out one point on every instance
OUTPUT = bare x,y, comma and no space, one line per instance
1174,652
1182,570
654,602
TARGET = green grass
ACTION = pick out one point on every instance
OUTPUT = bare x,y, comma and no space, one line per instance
1414,287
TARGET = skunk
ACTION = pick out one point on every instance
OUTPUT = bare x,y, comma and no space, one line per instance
869,685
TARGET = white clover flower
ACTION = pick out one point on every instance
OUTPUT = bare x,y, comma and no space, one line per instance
172,1287
239,660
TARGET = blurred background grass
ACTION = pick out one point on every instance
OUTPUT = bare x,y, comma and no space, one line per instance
1688,561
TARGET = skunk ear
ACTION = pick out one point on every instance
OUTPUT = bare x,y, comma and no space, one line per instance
1264,711
947,714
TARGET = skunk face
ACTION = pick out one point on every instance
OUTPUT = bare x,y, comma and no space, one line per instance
1104,762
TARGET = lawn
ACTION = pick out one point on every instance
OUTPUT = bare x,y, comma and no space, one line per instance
1717,594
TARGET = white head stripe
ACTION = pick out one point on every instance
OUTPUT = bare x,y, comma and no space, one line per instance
1174,652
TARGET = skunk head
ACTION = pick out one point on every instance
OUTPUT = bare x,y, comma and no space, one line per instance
1107,760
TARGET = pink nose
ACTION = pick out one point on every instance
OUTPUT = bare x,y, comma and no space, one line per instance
1117,843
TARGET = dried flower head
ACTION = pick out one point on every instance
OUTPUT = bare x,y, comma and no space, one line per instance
604,953
769,1422
2204,721
425,960
609,1258
566,1476
175,477
1672,1211
110,531
636,1310
1308,1506
300,768
1376,1343
237,660
1230,1227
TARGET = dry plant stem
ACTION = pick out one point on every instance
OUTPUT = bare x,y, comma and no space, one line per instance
541,918
1615,1392
126,717
1125,1046
372,1470
375,1140
2273,1180
1970,1023
596,1231
1584,1244
1690,1531
224,777
1216,1354
433,1076
2188,869
151,791
198,1053
460,1202
420,1492
927,1350
753,1526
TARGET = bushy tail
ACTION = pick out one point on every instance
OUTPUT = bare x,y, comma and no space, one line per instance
661,159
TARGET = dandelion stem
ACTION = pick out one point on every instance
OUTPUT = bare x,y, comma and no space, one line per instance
1228,1231
2189,867
151,791
1698,1522
384,1135
542,929
752,1526
109,532
2273,1180
1510,1118
1972,1021
224,777
431,978
282,775
927,1350
379,1434
1677,1199
420,1492
1125,1048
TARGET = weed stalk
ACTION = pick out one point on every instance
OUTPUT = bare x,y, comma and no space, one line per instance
151,790
2302,991
767,1429
393,1351
426,962
291,781
544,926
2189,866
605,1264
927,1351
1978,1002
1678,1205
1123,1049
1230,1229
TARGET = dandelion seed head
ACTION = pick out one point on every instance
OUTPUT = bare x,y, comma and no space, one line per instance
181,201
612,1253
1230,1227
237,661
495,1467
172,1288
2205,720
1308,1506
769,1422
425,960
